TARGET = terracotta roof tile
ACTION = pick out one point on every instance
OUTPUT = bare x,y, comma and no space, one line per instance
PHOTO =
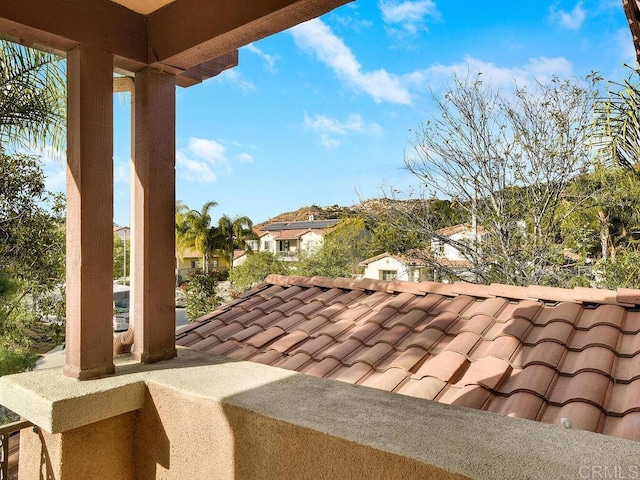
352,374
567,311
288,341
588,387
602,335
488,372
534,379
427,387
627,368
497,348
631,323
391,336
295,362
266,336
521,405
370,356
409,360
472,396
592,359
502,347
321,368
624,427
581,415
624,398
388,380
602,315
448,366
526,309
476,324
425,339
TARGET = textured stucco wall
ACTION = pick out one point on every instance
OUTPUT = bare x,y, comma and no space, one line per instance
190,438
99,451
204,417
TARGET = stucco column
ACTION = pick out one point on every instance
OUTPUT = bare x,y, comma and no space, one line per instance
89,285
153,217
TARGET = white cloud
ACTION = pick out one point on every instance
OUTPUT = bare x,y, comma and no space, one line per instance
245,158
235,78
200,161
571,20
540,69
270,60
382,86
409,14
333,131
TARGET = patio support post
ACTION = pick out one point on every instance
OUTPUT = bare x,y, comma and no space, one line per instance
153,212
89,334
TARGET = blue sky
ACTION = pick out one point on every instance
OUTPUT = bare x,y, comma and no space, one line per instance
322,114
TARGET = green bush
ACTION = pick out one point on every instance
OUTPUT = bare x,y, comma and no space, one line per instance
255,269
201,294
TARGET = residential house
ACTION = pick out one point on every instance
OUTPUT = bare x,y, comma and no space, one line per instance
387,266
564,357
289,240
123,233
191,261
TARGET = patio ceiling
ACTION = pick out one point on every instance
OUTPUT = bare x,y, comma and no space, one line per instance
193,39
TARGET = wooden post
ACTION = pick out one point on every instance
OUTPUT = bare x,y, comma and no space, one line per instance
153,222
89,338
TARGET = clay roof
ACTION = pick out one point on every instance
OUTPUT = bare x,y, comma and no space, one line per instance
538,353
461,227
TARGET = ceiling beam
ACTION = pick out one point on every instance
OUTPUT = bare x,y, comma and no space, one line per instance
186,33
59,25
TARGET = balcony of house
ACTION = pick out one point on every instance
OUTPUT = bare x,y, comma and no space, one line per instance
200,416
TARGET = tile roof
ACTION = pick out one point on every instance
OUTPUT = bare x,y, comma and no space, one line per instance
538,353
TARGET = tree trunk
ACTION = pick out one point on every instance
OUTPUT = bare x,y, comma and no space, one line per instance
604,233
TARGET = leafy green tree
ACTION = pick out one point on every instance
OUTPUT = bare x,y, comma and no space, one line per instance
121,252
343,249
201,295
256,268
603,212
32,266
623,270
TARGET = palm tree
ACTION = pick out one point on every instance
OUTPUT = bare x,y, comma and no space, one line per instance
193,230
617,122
32,96
232,234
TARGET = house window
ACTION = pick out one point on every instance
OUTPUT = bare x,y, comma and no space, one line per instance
388,275
195,264
214,263
267,245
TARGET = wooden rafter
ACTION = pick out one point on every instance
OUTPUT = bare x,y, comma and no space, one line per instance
632,10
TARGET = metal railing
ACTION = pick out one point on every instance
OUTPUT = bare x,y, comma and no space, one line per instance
9,445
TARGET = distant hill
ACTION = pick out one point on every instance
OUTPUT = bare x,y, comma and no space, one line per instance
319,213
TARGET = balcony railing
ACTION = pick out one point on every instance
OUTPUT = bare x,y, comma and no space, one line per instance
9,443
287,253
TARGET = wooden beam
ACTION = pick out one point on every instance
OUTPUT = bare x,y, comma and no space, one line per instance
89,282
632,11
60,25
153,222
186,33
208,69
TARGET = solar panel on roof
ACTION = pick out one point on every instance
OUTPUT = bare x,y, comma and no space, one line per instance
278,226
